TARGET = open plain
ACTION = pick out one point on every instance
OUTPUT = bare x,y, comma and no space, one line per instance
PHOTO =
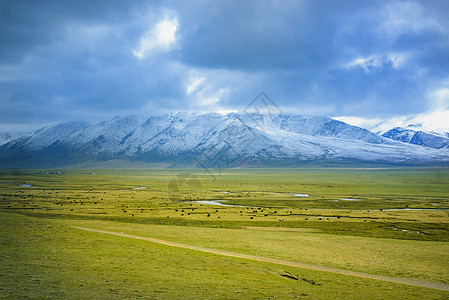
372,233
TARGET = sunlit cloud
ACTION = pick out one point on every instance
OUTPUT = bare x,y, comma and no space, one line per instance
440,99
360,122
213,99
193,84
435,119
161,37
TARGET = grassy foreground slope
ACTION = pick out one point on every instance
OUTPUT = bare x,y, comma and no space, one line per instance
45,258
42,255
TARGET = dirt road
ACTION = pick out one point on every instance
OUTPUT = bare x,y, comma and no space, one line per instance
407,281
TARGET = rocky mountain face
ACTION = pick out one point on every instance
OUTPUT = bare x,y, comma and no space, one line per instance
419,137
210,140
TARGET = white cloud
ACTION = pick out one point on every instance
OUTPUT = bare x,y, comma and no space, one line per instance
366,63
161,37
379,126
378,62
360,122
398,60
209,90
399,17
212,99
226,111
440,99
194,83
436,118
203,93
436,121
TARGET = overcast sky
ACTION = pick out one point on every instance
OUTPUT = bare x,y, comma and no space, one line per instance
359,61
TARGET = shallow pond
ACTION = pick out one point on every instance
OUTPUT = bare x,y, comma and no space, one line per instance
216,202
299,195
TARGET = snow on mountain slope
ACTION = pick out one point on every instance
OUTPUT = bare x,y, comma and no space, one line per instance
106,136
183,133
5,137
206,136
417,137
321,147
135,141
322,126
48,135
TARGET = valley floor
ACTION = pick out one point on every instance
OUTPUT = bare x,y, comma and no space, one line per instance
390,241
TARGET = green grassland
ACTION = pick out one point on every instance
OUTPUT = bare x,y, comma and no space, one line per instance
378,231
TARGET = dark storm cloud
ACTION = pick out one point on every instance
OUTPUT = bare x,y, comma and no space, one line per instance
76,51
28,24
263,35
64,60
304,46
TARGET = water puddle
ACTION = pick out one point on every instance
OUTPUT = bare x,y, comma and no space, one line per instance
299,195
216,202
135,188
405,230
26,185
349,199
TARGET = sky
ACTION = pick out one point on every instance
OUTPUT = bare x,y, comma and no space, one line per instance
373,64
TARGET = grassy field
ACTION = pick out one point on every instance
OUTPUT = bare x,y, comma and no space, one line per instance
391,222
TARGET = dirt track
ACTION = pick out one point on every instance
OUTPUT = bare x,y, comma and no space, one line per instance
407,281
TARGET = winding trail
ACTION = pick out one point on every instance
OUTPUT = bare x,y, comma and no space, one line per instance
407,281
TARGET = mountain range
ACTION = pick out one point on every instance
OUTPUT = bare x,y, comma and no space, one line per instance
215,141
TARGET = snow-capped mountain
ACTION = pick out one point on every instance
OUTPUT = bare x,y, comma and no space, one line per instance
209,140
5,137
46,136
415,136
